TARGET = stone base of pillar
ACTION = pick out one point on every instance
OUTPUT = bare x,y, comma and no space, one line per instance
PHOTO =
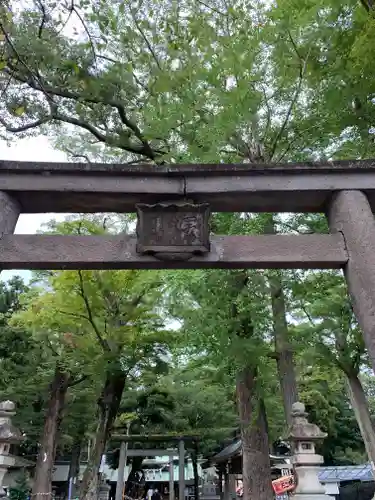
309,487
104,491
3,471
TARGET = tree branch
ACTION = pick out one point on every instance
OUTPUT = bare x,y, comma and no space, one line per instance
139,150
303,66
74,155
80,123
73,7
132,126
54,352
303,308
23,128
143,149
307,314
113,61
331,356
44,18
212,9
71,10
6,86
33,80
151,50
21,61
286,151
112,305
77,381
101,341
269,114
73,315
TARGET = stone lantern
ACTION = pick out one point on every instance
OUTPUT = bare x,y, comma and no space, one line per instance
306,462
8,435
173,230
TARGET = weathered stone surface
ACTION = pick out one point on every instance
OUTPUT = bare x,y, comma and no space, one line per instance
7,406
310,251
301,429
8,435
169,230
303,436
350,214
70,187
8,432
9,213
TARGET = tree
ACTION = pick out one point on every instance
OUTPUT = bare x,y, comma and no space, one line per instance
63,373
329,321
10,294
330,408
339,74
21,490
77,427
107,323
203,82
142,97
145,409
229,314
24,367
204,408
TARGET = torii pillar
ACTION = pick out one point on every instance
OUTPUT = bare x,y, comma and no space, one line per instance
181,469
350,214
9,213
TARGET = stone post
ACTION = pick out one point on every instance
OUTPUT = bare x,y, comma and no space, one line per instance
221,489
121,470
303,436
8,435
181,470
104,490
226,494
350,214
232,481
171,478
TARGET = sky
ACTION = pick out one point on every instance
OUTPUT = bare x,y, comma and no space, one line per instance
31,149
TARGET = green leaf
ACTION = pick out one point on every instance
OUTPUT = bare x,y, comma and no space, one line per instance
19,111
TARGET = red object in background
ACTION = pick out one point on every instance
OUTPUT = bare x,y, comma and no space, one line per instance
283,484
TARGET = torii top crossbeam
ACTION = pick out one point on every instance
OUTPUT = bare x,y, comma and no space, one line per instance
75,187
155,438
344,191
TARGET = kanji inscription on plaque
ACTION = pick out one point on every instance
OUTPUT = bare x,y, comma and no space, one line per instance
173,228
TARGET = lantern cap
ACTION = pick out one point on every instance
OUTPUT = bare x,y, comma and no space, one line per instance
301,429
7,406
8,432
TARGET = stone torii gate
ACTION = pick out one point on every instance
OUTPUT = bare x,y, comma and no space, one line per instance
177,451
173,204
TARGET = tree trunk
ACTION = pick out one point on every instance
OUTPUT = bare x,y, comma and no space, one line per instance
284,353
73,473
256,467
361,409
46,455
108,404
194,459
